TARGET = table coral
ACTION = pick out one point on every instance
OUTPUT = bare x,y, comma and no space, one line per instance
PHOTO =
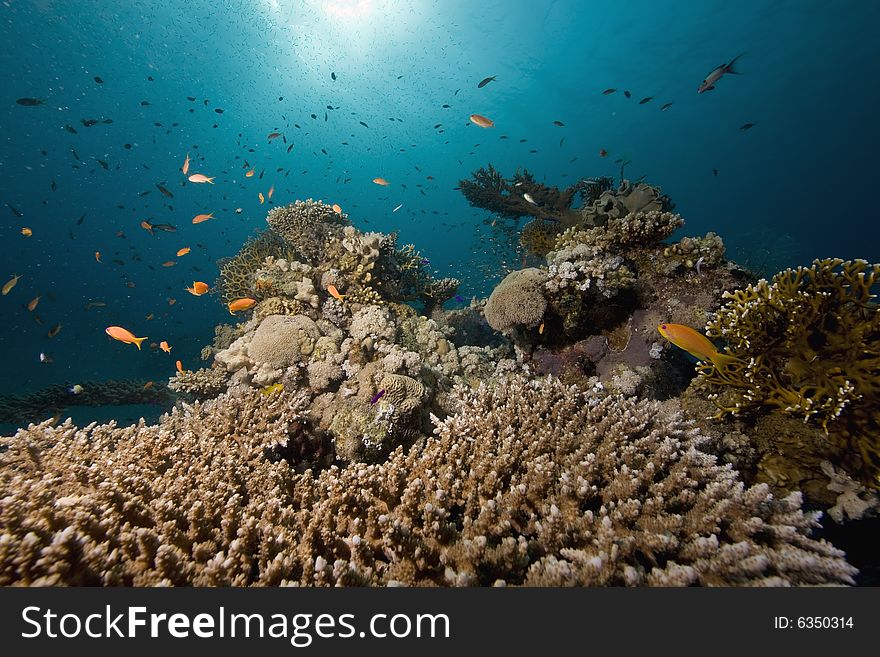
588,490
807,344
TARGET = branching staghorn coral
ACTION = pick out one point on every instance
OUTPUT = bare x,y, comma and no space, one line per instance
238,274
807,344
528,483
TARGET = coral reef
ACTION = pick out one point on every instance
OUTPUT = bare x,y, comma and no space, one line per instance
203,383
807,344
517,301
587,490
305,226
238,274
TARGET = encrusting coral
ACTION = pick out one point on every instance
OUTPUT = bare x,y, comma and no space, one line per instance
518,300
807,344
561,487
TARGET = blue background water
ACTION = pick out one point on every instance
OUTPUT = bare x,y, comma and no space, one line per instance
798,185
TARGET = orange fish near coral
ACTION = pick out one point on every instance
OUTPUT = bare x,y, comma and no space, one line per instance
250,174
198,288
124,335
97,256
335,293
55,330
199,218
179,367
482,121
147,226
262,199
183,251
164,346
381,181
27,232
200,178
33,303
337,209
185,167
169,263
271,191
241,304
695,343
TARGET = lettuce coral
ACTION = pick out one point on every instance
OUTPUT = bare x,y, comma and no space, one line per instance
807,344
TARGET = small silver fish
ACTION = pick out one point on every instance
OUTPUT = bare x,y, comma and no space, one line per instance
709,83
397,208
528,198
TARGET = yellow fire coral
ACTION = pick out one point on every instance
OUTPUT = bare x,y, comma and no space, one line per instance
809,342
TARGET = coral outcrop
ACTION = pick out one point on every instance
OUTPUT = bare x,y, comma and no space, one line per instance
559,488
517,301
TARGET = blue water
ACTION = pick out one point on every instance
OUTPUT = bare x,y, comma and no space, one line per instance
798,185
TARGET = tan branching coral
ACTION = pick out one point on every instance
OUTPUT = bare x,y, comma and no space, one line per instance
306,226
806,344
238,274
202,383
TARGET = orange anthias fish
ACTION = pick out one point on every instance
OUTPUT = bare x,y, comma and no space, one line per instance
337,209
33,303
335,293
27,232
200,178
164,346
381,181
185,167
696,344
97,256
273,135
241,304
183,251
250,174
147,226
482,121
169,263
198,288
199,218
262,200
603,152
124,335
271,191
11,283
179,367
54,331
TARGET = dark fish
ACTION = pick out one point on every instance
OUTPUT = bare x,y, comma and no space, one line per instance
314,116
333,75
377,396
30,102
608,91
666,107
70,129
627,94
80,220
290,148
98,80
437,126
191,98
218,110
446,106
559,123
107,121
715,171
150,78
15,210
363,124
168,228
485,81
104,164
459,298
645,100
54,186
144,103
75,155
164,191
746,126
88,122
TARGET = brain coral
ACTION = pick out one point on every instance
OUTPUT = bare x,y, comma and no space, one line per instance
517,300
281,341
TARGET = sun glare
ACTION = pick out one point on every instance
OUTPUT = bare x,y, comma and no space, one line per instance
348,9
